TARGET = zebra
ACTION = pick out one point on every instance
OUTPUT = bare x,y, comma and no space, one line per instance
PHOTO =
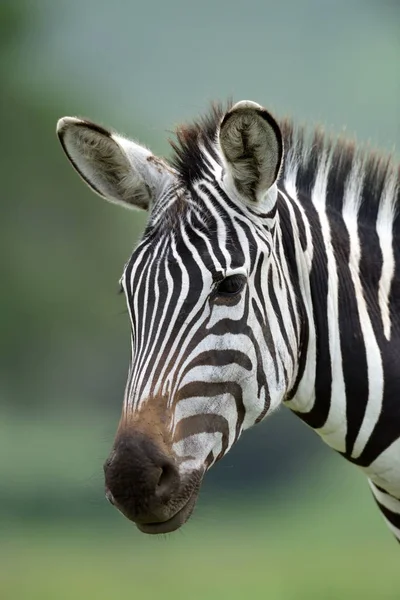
268,274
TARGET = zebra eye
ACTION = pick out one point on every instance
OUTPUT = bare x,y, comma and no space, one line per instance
232,285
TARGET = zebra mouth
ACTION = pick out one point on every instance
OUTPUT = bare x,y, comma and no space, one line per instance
174,522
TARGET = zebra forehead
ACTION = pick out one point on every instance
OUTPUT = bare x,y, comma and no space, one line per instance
173,252
187,238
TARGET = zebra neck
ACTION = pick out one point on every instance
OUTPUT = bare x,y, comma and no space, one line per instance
318,396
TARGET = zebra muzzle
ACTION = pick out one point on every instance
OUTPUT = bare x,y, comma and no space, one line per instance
145,485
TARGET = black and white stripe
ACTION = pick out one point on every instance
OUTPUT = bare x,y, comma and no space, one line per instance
304,229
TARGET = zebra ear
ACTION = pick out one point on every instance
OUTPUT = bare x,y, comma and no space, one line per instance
114,167
252,149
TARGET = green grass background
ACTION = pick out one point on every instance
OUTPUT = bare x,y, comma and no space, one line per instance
298,522
256,560
329,542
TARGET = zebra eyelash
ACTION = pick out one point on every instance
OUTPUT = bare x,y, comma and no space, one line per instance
230,287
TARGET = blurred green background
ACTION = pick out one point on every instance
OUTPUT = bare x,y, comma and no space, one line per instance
281,517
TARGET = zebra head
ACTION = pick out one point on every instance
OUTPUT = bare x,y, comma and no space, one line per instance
214,331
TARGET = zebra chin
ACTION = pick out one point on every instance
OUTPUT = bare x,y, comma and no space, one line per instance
143,481
173,523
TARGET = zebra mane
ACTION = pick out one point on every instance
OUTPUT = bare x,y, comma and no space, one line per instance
191,138
308,150
311,151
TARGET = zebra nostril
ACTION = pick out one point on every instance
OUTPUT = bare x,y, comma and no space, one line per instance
167,481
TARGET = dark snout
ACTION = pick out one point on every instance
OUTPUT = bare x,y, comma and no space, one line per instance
145,485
